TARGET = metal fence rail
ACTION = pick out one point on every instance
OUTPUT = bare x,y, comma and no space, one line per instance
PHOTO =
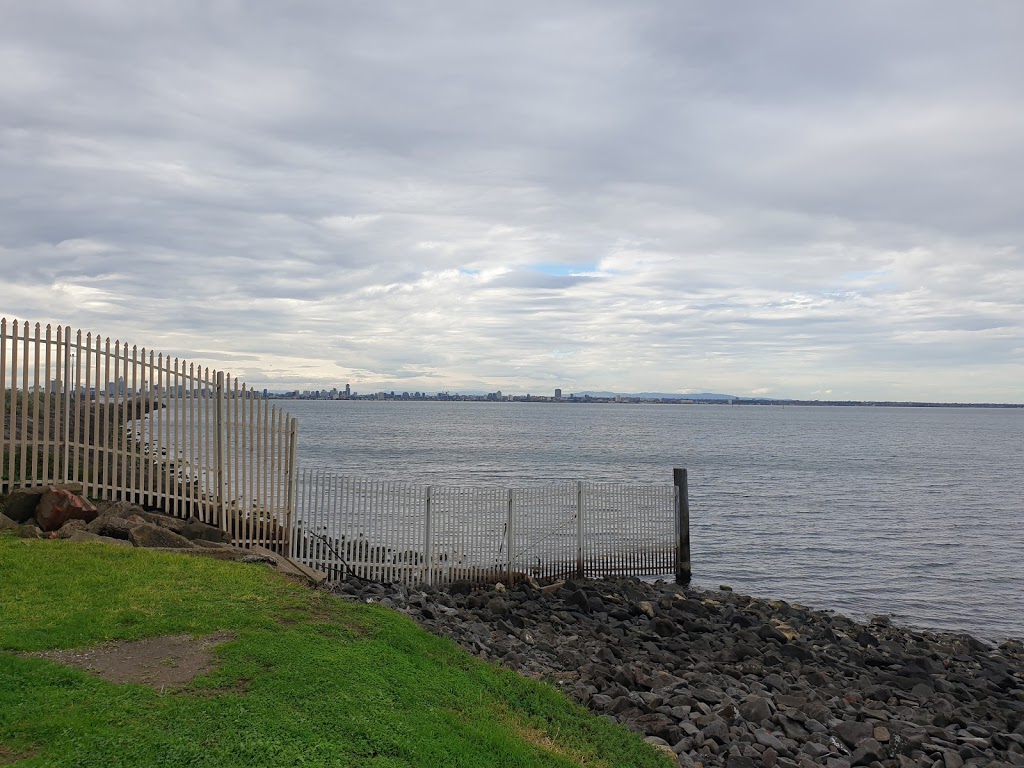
436,535
126,423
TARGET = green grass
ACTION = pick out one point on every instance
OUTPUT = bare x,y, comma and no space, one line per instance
309,680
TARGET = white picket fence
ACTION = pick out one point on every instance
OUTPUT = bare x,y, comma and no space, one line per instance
127,424
392,531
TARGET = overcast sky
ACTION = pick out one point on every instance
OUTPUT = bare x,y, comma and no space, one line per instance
797,199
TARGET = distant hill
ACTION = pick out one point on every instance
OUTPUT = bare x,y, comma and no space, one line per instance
662,395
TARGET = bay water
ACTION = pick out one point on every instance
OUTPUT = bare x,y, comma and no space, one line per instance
915,513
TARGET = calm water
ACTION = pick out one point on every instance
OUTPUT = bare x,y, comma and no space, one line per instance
913,512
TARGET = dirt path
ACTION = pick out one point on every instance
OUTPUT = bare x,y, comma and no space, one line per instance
159,662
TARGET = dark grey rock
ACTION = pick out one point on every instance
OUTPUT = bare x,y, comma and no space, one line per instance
766,739
755,709
718,730
114,527
497,606
196,530
81,535
867,752
768,632
20,505
149,535
853,732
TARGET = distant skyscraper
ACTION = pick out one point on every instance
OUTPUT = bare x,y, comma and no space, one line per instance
558,394
348,390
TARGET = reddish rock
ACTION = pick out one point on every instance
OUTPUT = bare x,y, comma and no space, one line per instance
58,505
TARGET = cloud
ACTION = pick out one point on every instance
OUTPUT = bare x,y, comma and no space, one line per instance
593,195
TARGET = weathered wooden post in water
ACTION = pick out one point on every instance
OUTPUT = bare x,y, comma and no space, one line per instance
682,526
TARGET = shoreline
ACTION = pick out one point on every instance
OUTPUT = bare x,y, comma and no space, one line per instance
863,614
719,678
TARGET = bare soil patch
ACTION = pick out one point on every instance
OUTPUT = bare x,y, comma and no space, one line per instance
10,756
170,661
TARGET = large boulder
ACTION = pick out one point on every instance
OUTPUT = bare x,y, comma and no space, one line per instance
58,505
81,535
149,535
71,527
114,527
20,505
196,530
6,523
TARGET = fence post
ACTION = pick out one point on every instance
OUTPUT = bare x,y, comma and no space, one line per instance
508,536
683,573
579,529
291,487
218,448
428,544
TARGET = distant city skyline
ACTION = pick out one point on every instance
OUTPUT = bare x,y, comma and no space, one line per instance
793,200
585,396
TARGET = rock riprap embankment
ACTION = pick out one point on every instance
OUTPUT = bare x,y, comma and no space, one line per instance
722,679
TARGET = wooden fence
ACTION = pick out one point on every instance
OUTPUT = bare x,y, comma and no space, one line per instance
392,531
127,424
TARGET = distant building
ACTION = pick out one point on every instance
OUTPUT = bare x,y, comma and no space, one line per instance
558,394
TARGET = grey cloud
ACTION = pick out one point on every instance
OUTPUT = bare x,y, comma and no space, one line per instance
358,190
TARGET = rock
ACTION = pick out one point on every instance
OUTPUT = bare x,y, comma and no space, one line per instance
114,527
58,505
149,535
195,529
768,632
852,732
661,745
664,627
70,527
645,607
739,761
755,709
718,730
766,739
79,535
551,589
922,691
29,531
6,523
776,682
497,606
867,752
657,724
20,505
578,599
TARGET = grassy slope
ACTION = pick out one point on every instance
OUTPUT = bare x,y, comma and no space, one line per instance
308,681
